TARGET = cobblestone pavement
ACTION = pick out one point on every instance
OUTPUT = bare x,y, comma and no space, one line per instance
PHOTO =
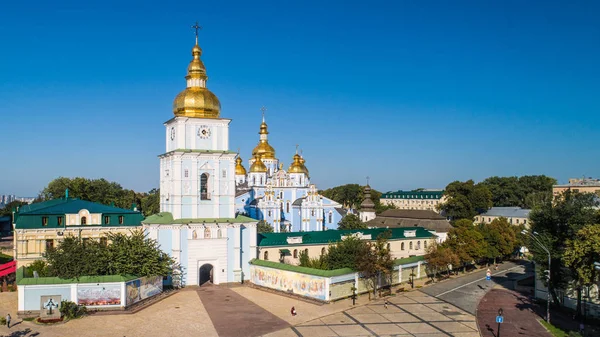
520,318
233,315
411,314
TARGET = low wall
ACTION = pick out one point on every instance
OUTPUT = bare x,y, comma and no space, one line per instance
113,292
326,285
569,297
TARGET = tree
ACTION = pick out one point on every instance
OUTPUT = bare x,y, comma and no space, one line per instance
518,191
351,196
133,254
343,254
439,258
465,199
150,202
375,261
351,221
315,262
264,227
501,239
580,254
556,222
466,242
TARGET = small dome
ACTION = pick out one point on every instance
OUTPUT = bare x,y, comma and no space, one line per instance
239,168
297,166
258,166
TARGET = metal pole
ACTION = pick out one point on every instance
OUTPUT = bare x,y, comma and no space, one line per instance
548,303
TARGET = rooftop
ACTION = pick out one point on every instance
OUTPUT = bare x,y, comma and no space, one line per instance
416,194
590,182
166,218
411,214
332,236
507,212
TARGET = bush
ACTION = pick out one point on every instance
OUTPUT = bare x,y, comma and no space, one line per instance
70,310
38,265
2,321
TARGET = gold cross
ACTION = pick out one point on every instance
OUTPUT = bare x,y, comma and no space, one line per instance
197,27
263,109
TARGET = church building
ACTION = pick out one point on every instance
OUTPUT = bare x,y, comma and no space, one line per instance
284,199
197,224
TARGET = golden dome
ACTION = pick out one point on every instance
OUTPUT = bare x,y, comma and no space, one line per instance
297,166
258,165
264,149
196,100
239,168
302,161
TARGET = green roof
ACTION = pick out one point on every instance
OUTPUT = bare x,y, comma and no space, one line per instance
166,218
198,151
22,280
31,216
332,236
408,260
413,195
302,270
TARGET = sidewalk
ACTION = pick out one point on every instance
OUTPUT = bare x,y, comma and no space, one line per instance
520,318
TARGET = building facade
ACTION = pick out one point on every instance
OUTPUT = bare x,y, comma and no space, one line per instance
514,215
286,247
397,218
42,225
198,224
285,199
416,200
581,185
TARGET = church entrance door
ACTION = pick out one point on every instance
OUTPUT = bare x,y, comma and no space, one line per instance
206,274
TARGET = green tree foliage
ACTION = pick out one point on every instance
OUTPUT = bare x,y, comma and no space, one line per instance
525,191
343,253
466,242
70,310
39,266
351,196
375,261
580,254
102,191
264,227
466,199
500,237
440,258
556,222
133,254
315,262
351,221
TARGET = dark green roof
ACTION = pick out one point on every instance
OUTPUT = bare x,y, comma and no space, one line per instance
413,195
22,280
166,218
408,260
302,270
30,216
332,236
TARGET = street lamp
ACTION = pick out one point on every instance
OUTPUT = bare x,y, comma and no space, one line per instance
533,235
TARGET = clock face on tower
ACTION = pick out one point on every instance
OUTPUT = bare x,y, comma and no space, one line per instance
204,132
172,133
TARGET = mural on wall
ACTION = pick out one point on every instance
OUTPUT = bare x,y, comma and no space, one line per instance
300,284
143,288
99,295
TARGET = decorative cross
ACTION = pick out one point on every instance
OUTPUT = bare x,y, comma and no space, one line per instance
263,109
197,27
368,180
296,148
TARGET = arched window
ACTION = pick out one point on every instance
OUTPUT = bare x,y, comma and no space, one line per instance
425,244
83,220
269,213
389,247
312,213
186,173
194,235
418,245
204,187
219,233
261,181
323,251
402,246
306,252
207,233
295,253
330,217
287,207
266,256
410,245
253,180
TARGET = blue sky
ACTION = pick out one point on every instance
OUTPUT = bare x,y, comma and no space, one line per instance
410,93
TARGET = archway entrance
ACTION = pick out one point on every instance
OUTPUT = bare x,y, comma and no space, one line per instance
206,274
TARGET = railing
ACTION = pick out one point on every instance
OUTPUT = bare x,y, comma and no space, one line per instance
8,268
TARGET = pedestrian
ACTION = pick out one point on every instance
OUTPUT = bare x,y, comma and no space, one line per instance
496,266
385,303
293,311
8,320
581,328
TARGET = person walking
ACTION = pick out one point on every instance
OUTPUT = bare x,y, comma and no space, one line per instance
293,311
8,320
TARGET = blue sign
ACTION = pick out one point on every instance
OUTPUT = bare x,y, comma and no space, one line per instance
499,319
488,278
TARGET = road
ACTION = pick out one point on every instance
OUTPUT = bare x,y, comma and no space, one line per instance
465,292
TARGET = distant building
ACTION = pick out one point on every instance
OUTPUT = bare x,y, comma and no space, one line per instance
286,247
428,219
5,226
416,200
515,215
581,185
42,225
367,207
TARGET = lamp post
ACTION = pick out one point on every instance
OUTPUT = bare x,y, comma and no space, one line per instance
533,235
